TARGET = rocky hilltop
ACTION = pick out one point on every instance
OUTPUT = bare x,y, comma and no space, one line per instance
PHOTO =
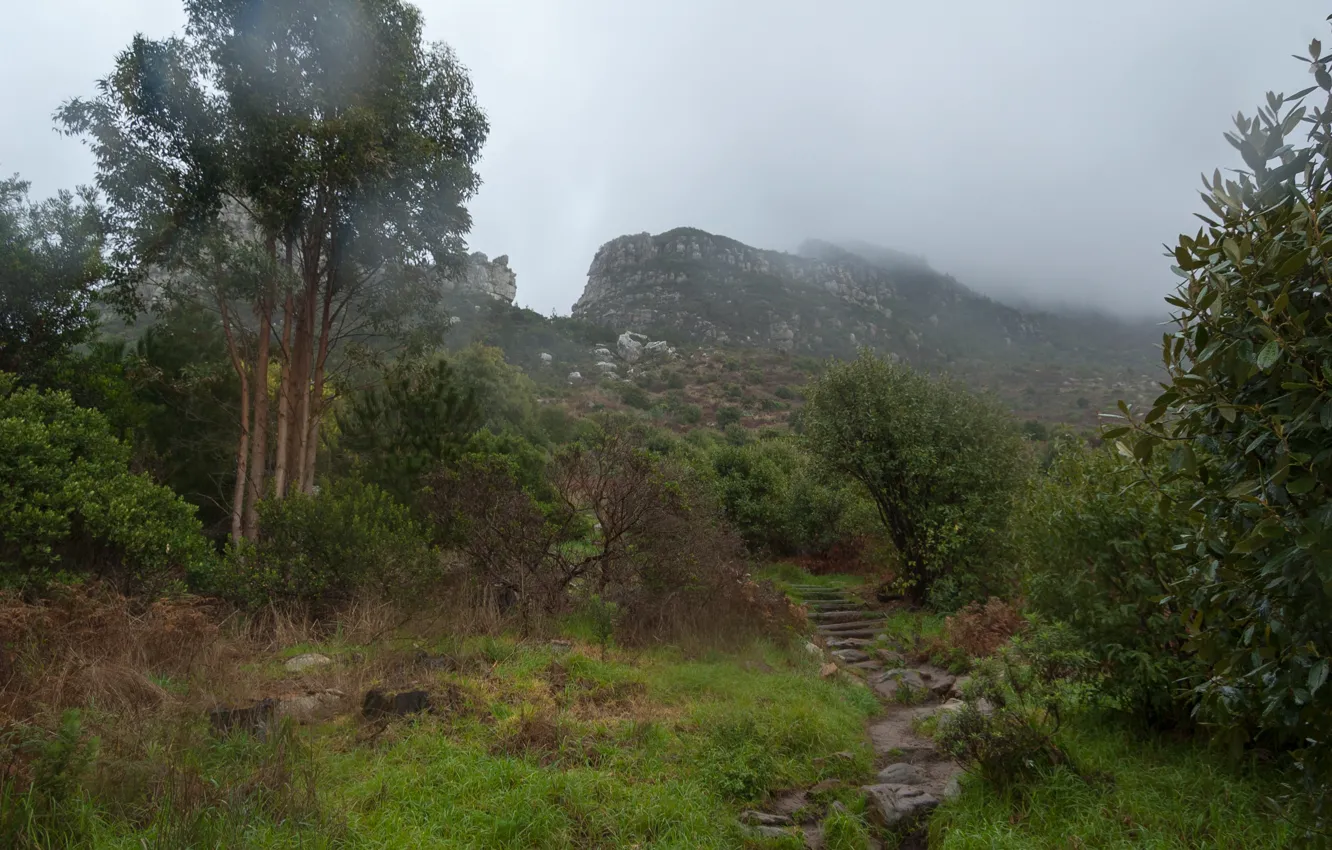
482,276
688,285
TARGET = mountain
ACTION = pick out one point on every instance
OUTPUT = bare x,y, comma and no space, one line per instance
827,299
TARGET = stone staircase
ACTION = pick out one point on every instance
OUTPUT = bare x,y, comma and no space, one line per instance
913,775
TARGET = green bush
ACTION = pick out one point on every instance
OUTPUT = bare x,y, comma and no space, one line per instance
943,466
779,501
1247,415
635,396
69,505
784,392
1015,704
1100,555
689,414
727,415
323,549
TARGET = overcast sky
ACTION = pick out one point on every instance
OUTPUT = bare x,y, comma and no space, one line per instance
1042,146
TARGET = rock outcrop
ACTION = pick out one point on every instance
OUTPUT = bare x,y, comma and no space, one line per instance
688,285
483,276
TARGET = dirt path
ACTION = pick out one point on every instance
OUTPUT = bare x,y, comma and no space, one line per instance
913,776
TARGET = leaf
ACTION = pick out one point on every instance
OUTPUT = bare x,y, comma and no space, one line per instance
1268,357
1292,264
1300,486
1317,675
1315,49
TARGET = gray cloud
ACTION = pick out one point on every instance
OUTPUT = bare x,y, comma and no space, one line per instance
1034,146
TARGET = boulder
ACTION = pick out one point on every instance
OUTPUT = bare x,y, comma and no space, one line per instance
305,661
813,648
630,349
901,774
753,818
938,680
828,670
379,704
311,707
606,366
575,377
546,358
894,803
888,683
850,656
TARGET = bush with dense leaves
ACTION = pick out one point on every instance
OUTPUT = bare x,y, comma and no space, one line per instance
70,506
942,465
1100,556
1015,704
1247,418
781,502
323,549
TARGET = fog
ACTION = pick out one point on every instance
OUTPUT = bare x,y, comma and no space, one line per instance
1039,148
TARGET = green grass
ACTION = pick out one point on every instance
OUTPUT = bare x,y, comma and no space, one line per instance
543,749
785,574
1143,792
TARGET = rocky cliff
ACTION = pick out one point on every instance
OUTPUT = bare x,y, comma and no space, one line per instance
483,276
688,285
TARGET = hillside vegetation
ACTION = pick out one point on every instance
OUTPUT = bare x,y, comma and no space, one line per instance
325,544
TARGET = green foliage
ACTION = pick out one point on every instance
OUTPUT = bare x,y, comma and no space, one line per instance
323,549
728,415
1247,415
50,260
421,418
1122,790
635,396
779,500
784,392
69,505
504,396
1015,705
942,465
603,616
1099,555
51,811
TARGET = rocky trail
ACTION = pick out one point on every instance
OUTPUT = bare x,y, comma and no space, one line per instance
913,776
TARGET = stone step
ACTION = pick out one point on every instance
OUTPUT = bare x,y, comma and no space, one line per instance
856,633
844,615
827,628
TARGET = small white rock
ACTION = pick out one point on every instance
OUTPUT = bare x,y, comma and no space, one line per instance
305,661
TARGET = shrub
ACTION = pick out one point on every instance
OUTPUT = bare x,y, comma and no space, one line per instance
728,415
689,414
635,396
942,465
784,392
70,506
1246,417
1099,555
1015,705
321,550
48,809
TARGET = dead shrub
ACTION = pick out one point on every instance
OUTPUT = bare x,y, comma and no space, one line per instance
625,525
979,630
90,644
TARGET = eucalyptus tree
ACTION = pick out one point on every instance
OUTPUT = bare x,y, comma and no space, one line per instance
326,132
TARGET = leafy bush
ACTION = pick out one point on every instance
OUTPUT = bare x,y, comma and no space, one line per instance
323,549
635,396
942,465
784,392
728,415
69,505
1099,554
1015,704
780,502
1247,417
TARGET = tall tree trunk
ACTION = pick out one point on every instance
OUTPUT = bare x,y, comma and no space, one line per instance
286,399
242,448
317,390
259,444
304,345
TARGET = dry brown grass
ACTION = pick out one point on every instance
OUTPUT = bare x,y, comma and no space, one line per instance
979,630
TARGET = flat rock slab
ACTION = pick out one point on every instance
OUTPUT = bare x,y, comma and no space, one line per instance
856,624
850,656
825,616
864,634
893,736
938,680
894,804
847,643
313,707
901,773
889,683
305,661
756,818
870,666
